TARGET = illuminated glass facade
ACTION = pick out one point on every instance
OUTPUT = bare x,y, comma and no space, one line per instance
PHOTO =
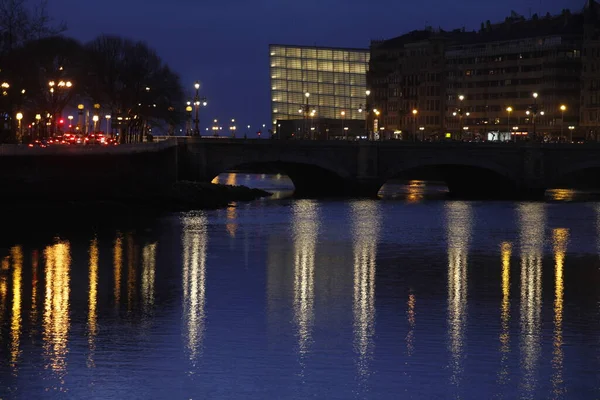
334,77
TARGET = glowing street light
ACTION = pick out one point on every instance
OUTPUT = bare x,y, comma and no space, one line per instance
509,109
571,129
563,108
19,128
414,113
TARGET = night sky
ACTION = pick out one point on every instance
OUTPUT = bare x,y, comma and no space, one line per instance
224,44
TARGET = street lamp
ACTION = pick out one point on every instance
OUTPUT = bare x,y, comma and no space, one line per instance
70,118
188,109
375,121
343,113
197,106
38,118
80,108
367,94
108,117
509,109
571,128
563,108
19,130
95,118
415,112
534,112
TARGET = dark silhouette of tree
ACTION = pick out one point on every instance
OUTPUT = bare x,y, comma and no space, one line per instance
50,72
130,79
21,22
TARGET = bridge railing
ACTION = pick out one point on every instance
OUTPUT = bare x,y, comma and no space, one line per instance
7,150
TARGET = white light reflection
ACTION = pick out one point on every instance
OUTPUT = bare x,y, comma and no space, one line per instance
560,241
503,374
366,220
532,224
458,230
56,309
305,220
148,273
194,242
16,254
92,303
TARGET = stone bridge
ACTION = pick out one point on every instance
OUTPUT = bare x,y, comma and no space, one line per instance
317,168
322,168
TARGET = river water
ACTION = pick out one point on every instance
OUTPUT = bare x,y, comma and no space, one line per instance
409,296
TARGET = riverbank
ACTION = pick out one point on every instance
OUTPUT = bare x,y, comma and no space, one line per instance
186,195
180,196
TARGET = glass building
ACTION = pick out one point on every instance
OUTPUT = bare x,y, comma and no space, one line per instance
335,78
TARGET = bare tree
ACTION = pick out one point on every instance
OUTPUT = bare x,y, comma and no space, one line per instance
131,80
20,21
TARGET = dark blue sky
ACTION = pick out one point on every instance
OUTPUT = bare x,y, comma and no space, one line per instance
224,44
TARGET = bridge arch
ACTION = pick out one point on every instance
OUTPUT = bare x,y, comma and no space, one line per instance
310,178
584,174
465,178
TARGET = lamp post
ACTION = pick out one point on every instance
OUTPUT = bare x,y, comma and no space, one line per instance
96,117
38,118
80,108
422,129
509,110
232,128
197,106
188,123
70,118
215,128
19,127
108,117
571,129
306,111
343,113
563,108
415,112
367,94
535,96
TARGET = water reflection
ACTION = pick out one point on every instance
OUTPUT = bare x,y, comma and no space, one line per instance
148,274
93,302
305,221
560,240
131,272
56,322
532,223
458,231
231,224
561,194
4,269
506,252
415,191
194,243
410,314
365,217
33,316
118,267
16,254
